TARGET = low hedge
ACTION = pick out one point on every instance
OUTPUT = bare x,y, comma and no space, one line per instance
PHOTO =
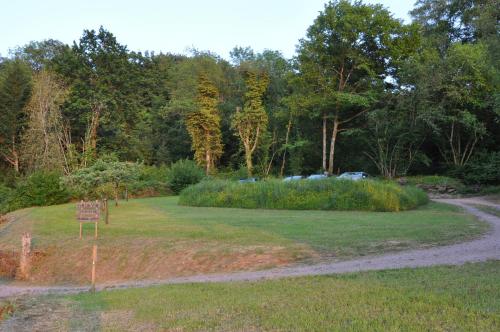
328,194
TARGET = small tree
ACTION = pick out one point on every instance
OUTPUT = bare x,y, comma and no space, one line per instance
203,125
251,122
102,173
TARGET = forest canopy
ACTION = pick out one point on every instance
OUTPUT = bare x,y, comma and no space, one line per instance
364,92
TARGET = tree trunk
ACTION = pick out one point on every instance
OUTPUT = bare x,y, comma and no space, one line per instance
332,144
116,195
248,158
288,128
324,143
208,160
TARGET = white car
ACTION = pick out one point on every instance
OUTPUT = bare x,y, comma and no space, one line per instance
353,176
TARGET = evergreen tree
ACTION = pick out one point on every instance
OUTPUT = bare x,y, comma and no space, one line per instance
15,90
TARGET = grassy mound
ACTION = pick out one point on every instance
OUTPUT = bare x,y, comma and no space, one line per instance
328,194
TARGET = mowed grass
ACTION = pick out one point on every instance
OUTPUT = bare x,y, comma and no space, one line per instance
461,298
345,233
156,238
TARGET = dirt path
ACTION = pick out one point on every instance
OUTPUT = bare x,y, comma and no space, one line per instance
482,249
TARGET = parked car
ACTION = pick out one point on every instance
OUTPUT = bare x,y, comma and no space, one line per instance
353,176
293,178
247,180
317,176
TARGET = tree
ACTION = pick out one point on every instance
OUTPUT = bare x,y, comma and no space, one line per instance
457,93
393,135
15,90
348,54
102,173
43,141
106,101
203,125
250,123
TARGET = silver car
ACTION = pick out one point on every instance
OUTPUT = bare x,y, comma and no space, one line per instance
293,178
353,176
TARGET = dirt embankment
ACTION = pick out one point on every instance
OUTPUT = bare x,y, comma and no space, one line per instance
70,263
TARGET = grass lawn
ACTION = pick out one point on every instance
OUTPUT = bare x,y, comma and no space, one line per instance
461,298
155,238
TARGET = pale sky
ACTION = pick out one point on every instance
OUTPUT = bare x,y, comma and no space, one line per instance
170,25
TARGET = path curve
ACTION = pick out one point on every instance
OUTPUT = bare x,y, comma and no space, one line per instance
485,248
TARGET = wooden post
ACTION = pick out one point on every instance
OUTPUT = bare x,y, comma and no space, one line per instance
95,236
94,261
80,231
107,211
126,194
25,263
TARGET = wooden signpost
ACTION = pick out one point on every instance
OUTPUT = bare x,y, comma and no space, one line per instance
94,261
88,212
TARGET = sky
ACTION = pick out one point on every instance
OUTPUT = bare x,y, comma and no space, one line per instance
170,26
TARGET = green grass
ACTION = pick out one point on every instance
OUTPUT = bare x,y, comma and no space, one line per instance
461,298
158,228
435,180
344,233
327,194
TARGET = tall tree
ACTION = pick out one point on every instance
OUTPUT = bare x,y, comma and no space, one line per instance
250,122
203,125
349,52
15,90
44,139
106,101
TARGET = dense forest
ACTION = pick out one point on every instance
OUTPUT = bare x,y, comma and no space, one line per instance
364,92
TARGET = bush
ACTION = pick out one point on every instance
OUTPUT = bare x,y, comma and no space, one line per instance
182,174
152,181
328,194
5,196
39,189
484,169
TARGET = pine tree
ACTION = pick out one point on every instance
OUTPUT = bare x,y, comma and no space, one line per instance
203,125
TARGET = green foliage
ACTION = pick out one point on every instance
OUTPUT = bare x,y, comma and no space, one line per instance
250,123
15,91
151,181
5,196
435,180
39,189
182,174
203,125
483,169
328,194
103,174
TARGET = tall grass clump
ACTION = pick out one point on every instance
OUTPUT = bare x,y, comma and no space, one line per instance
328,194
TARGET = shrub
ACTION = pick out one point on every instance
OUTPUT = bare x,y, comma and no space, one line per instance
182,174
328,194
152,181
39,189
483,169
5,196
